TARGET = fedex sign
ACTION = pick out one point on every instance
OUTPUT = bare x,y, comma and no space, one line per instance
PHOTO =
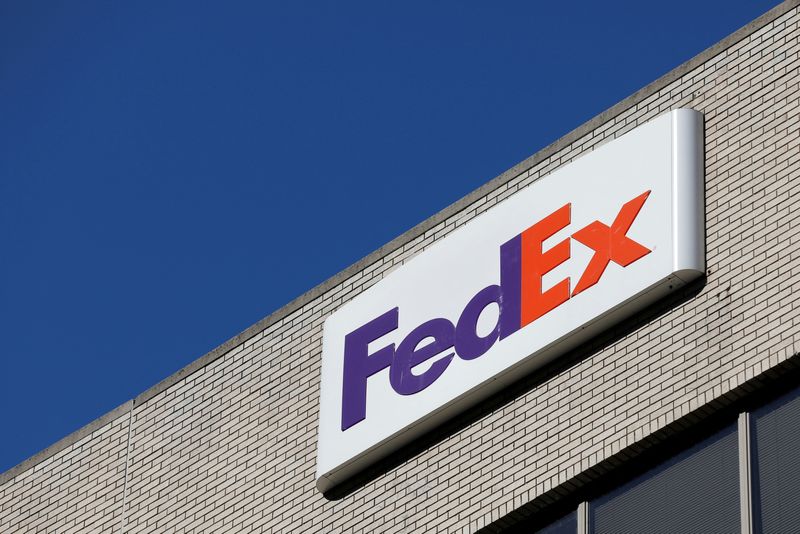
519,298
529,279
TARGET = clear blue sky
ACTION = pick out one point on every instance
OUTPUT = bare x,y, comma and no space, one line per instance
172,172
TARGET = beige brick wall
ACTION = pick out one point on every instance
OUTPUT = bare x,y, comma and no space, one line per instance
79,489
231,446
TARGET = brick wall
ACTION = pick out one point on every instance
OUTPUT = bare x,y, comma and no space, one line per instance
230,443
78,489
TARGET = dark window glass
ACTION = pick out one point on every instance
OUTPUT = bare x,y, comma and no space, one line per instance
566,525
776,465
695,491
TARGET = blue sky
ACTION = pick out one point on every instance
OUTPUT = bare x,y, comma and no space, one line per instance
172,172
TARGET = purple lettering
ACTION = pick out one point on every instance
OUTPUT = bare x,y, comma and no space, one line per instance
360,365
511,284
409,355
469,345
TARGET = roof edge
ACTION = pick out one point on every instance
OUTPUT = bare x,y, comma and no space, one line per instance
406,237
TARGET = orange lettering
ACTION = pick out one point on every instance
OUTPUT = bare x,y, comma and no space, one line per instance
536,263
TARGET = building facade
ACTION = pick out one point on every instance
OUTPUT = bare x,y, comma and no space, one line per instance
681,418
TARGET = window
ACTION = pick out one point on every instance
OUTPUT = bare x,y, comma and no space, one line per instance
775,457
566,525
695,491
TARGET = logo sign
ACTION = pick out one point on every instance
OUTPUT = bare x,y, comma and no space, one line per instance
529,279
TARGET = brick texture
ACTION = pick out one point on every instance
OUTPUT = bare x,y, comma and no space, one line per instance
79,489
231,447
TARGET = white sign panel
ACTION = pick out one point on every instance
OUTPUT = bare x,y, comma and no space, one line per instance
519,285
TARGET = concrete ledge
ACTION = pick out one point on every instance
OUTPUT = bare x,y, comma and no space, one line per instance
408,236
